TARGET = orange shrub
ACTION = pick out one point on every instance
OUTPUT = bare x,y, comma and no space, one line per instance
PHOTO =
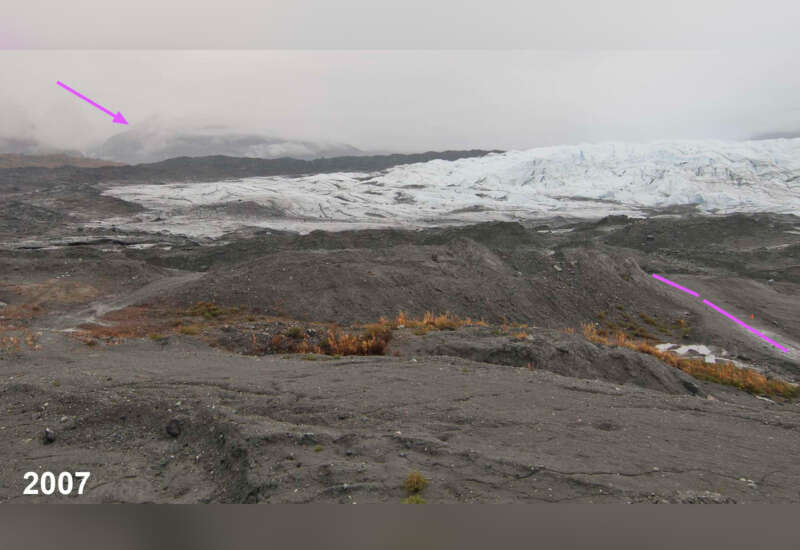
339,343
721,373
431,321
415,482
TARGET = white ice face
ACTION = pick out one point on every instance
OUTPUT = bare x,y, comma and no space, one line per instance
581,181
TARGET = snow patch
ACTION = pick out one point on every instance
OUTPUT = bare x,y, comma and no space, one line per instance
696,348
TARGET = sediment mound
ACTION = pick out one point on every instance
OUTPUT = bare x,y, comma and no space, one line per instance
461,276
551,350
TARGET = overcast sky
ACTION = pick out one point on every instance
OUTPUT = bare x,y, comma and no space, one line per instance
389,24
599,71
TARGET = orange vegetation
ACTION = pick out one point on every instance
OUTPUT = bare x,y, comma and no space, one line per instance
430,321
13,343
130,322
341,343
722,373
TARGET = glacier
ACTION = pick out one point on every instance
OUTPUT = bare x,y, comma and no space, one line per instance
592,180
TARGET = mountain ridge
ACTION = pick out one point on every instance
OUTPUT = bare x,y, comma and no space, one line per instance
216,167
149,145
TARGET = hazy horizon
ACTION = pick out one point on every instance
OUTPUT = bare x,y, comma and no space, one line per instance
402,100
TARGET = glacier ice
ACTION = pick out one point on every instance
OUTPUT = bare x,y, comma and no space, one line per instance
579,180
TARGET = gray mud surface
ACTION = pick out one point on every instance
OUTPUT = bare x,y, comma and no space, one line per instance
486,416
350,430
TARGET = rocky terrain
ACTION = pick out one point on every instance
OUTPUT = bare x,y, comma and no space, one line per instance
526,360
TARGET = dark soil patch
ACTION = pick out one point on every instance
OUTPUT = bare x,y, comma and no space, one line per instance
565,354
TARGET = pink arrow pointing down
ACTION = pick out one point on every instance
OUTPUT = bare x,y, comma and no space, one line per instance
117,118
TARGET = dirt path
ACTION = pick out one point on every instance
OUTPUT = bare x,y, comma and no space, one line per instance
95,310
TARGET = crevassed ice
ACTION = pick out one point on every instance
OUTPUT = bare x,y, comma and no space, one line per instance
583,180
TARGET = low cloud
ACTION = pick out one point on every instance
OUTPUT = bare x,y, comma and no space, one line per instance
406,100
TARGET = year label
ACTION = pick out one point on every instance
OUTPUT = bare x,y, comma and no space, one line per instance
65,484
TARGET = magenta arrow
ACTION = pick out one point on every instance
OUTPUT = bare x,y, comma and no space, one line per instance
118,118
